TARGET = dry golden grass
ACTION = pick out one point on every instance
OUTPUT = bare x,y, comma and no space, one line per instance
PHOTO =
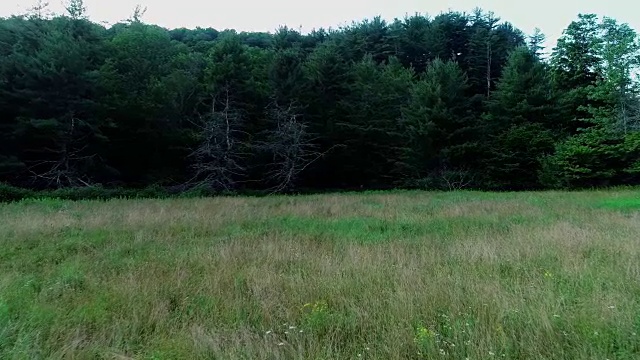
401,275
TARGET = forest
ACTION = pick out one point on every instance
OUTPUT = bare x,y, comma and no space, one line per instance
452,101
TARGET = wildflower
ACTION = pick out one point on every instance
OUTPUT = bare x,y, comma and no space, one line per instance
612,307
300,331
424,333
281,344
548,274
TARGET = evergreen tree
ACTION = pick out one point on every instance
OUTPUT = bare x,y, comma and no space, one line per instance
522,122
606,151
370,129
51,87
440,129
536,42
481,52
326,73
136,100
12,31
448,37
577,65
369,37
621,61
286,75
410,39
453,101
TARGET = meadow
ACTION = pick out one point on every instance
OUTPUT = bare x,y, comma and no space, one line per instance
380,275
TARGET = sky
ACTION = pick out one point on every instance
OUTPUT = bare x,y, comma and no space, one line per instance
551,16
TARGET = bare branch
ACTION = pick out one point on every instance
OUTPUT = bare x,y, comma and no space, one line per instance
66,158
457,179
217,160
290,146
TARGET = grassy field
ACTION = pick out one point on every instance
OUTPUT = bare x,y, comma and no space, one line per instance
398,275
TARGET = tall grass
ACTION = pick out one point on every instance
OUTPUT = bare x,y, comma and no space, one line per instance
402,275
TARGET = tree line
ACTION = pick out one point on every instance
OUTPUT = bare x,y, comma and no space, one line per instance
457,100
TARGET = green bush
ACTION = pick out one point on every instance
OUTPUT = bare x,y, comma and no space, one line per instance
589,159
10,193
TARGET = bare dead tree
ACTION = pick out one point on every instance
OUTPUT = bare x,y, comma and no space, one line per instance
457,179
291,147
217,159
68,159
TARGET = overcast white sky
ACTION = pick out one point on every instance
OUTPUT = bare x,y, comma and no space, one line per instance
552,16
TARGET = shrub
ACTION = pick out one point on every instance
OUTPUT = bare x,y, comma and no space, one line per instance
10,193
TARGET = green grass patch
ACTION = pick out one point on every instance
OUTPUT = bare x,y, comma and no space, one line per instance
379,275
621,204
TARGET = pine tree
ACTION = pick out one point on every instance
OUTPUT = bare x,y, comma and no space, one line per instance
621,61
523,116
440,130
536,42
577,65
50,91
410,42
286,75
369,37
606,151
481,52
370,128
137,99
11,31
325,73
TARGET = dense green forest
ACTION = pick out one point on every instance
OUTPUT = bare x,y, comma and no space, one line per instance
457,100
